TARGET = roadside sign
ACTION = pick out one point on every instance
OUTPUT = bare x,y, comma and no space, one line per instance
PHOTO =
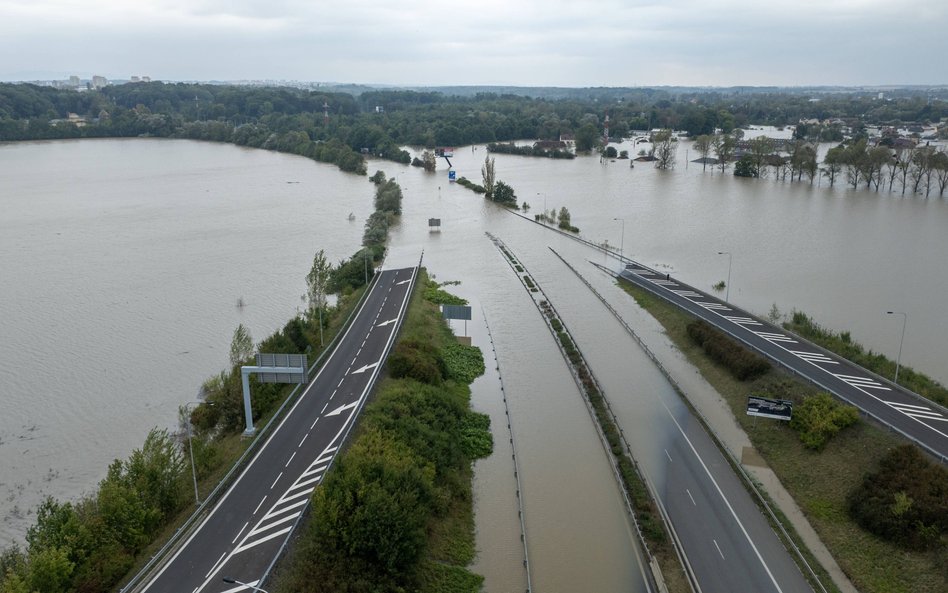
456,312
778,409
286,362
452,175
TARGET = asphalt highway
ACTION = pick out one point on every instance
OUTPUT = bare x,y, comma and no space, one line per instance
905,412
244,531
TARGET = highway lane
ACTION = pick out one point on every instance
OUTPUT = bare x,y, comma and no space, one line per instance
729,544
920,420
245,530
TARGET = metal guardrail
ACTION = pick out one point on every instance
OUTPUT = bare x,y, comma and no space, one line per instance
225,482
513,447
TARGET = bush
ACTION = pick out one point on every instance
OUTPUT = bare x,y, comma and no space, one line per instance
463,363
819,418
741,362
905,501
416,360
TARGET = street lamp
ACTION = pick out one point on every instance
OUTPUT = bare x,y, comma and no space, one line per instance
898,361
622,239
728,254
236,582
187,411
321,298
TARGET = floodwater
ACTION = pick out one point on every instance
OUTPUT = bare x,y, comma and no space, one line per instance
123,260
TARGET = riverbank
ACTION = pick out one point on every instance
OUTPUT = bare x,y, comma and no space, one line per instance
809,487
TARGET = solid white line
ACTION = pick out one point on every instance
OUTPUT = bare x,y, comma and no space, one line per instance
719,549
275,481
724,498
691,497
261,540
260,504
215,565
233,541
304,439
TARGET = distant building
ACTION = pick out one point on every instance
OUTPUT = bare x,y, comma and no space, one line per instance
135,79
146,78
74,81
99,82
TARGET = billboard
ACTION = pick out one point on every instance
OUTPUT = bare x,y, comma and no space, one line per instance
778,409
447,151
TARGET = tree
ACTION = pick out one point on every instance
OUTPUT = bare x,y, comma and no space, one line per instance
587,137
241,345
833,163
317,280
504,194
854,157
761,148
723,146
428,161
664,149
744,167
703,146
610,152
564,218
488,176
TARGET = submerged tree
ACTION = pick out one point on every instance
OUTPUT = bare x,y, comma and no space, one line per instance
488,176
664,150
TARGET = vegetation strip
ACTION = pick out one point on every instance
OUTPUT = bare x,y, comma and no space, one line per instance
644,512
785,530
395,513
513,448
823,482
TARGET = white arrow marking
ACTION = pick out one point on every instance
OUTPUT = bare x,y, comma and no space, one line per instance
389,322
402,282
365,368
342,409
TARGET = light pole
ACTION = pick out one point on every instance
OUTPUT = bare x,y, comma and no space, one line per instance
365,260
320,303
544,205
728,254
622,238
187,411
898,361
236,582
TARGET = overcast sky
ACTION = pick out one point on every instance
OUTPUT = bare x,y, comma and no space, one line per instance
502,42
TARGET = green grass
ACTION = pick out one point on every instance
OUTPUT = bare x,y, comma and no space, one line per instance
818,481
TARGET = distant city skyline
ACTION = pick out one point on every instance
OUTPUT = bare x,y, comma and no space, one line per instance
487,42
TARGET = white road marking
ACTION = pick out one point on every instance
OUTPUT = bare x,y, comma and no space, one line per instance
313,425
691,497
342,408
364,369
742,320
715,306
726,501
384,323
343,379
233,541
667,455
403,282
813,356
275,481
238,588
301,442
262,528
772,337
290,459
260,504
719,548
686,293
263,539
314,470
324,408
276,512
215,565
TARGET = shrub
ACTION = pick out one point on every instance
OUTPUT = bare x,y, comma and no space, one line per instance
819,418
416,360
905,501
741,362
463,363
